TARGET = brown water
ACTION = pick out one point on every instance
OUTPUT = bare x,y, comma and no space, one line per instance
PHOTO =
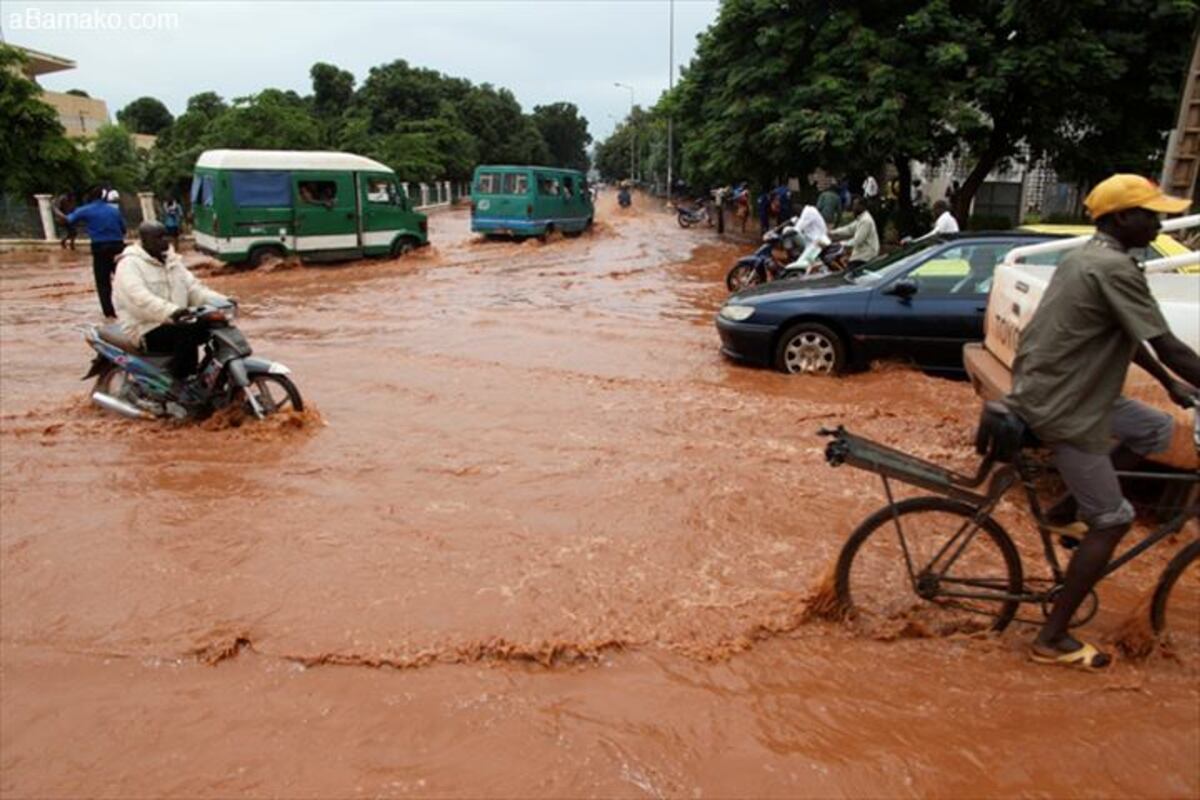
537,539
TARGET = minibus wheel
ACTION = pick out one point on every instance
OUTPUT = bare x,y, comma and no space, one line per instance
264,253
402,246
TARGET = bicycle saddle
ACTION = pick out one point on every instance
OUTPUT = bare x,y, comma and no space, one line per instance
1002,433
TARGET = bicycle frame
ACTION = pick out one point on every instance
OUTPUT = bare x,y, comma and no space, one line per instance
891,464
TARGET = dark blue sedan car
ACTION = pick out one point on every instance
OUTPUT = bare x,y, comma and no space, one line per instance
923,302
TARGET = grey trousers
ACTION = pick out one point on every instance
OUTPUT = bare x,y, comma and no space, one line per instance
1090,476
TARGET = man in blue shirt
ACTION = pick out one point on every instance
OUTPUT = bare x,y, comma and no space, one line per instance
106,230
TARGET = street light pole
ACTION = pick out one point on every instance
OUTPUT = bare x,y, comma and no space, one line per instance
670,88
632,130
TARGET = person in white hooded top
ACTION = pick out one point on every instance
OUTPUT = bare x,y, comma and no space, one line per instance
153,290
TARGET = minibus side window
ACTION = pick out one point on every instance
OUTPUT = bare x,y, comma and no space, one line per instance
261,189
568,187
206,190
489,183
516,183
321,193
382,190
548,186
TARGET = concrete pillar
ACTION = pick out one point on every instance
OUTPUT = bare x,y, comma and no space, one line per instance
449,198
424,194
404,186
43,201
147,201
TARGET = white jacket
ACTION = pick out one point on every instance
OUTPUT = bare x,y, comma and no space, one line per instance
147,292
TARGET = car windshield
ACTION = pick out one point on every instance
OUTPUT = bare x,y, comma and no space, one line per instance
882,268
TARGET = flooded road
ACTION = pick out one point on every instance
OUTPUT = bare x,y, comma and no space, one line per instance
537,538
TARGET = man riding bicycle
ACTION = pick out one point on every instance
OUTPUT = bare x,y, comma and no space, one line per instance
1096,317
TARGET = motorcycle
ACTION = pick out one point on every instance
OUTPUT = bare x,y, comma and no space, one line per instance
139,385
624,199
764,266
687,217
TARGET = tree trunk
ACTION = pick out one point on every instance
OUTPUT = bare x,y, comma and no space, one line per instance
961,206
905,221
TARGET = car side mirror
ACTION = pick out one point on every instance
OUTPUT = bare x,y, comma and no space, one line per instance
903,288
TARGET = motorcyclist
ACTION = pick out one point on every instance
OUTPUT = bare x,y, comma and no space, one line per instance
814,237
1096,316
152,293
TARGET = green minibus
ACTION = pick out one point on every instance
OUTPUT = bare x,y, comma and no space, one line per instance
529,201
252,204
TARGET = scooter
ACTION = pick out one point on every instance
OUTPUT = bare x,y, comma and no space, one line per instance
687,217
764,266
139,385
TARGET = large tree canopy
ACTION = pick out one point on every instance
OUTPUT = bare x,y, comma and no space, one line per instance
565,133
145,115
35,152
778,87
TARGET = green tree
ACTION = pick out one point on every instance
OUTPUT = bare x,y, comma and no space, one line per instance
565,133
35,152
333,89
269,120
504,134
780,87
145,115
115,159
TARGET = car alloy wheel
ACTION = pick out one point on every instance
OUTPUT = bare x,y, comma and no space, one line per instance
810,353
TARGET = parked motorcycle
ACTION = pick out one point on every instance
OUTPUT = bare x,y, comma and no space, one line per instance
687,217
139,385
782,256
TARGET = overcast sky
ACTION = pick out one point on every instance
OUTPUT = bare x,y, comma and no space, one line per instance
543,50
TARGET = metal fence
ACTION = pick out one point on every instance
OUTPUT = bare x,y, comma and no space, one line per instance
19,218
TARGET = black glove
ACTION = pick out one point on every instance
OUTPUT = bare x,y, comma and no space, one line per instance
178,314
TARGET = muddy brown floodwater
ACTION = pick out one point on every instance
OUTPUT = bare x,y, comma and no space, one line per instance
539,539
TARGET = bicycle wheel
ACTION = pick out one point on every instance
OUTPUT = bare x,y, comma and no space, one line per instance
926,561
1175,610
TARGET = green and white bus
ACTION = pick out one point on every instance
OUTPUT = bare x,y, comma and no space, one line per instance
252,204
529,201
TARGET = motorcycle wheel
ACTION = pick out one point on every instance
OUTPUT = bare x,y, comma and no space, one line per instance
111,382
742,276
274,393
684,221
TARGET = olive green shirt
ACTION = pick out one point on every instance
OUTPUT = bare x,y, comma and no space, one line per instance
1073,356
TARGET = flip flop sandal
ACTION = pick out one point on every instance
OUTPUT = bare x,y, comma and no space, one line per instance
1086,657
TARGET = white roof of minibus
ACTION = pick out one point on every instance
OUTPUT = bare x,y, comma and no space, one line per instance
288,159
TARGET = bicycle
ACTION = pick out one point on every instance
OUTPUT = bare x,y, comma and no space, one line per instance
956,558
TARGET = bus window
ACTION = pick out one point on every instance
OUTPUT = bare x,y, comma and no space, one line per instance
516,183
322,193
488,183
568,187
548,186
261,189
382,190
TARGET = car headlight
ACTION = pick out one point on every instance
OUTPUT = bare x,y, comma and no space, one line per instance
736,313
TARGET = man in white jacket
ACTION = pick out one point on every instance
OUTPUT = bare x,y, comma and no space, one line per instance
153,290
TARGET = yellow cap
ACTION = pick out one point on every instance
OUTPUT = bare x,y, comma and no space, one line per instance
1131,191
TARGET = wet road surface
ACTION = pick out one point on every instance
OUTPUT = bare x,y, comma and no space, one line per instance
537,537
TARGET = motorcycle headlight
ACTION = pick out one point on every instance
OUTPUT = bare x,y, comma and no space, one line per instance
736,313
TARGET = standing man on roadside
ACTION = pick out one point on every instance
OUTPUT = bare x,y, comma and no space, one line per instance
864,239
106,230
1096,316
830,205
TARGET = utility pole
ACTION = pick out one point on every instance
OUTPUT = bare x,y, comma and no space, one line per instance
632,133
670,88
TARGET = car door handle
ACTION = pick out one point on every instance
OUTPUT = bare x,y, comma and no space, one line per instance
349,215
981,308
